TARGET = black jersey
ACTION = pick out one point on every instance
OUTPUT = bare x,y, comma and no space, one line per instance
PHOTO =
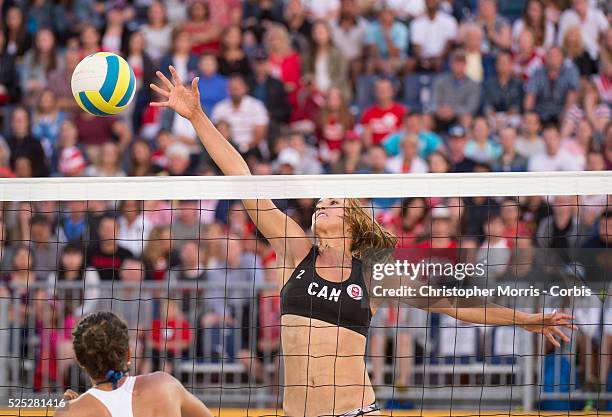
344,304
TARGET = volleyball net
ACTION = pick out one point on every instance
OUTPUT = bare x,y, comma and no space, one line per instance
182,263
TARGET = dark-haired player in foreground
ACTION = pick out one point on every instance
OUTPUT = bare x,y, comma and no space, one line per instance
101,346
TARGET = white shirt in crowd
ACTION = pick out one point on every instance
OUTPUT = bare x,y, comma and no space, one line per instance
529,147
134,236
417,165
242,120
433,35
321,9
591,28
350,41
404,9
561,161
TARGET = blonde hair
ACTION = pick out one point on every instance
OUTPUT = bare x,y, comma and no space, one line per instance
278,30
366,232
579,47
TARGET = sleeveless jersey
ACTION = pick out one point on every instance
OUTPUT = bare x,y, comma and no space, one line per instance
345,304
118,402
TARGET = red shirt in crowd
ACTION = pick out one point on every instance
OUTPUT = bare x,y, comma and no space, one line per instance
170,335
332,133
383,122
288,70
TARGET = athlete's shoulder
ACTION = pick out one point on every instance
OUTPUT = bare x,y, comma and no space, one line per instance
83,406
157,379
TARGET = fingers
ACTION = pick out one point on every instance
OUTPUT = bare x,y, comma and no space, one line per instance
552,340
194,84
560,334
175,77
164,79
159,91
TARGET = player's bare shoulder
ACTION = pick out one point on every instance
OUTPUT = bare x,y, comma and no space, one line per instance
82,406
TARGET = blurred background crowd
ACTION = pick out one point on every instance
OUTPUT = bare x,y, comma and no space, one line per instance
298,87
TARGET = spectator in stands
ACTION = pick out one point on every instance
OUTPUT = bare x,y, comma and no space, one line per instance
579,145
413,124
96,131
441,233
116,31
46,122
324,65
74,224
203,31
58,81
497,31
133,227
481,148
6,250
224,13
554,158
455,96
89,40
408,160
384,117
534,20
456,147
71,268
247,117
438,163
574,50
527,58
109,163
46,246
232,59
18,40
561,229
143,67
271,92
15,282
212,85
106,255
157,32
268,339
552,89
387,41
309,155
494,250
349,31
233,305
503,94
141,163
515,228
178,160
334,122
603,238
23,145
591,21
351,160
186,224
476,212
471,35
322,9
298,24
159,254
10,90
409,226
509,160
170,337
283,60
432,36
530,142
589,108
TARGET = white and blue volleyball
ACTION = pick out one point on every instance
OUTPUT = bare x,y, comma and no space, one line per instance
103,84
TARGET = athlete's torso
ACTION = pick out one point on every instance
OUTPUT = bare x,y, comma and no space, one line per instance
323,333
340,304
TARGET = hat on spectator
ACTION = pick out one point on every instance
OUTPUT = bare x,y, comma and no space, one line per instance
289,156
456,131
71,161
178,149
440,212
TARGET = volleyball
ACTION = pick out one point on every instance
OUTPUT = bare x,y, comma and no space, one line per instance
103,84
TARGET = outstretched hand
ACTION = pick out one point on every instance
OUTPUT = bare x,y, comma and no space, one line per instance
183,100
70,395
550,325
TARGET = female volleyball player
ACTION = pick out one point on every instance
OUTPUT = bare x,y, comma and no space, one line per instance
101,346
324,326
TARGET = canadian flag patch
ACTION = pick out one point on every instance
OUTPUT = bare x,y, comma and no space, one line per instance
354,291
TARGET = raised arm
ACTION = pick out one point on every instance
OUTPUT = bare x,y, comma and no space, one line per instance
284,234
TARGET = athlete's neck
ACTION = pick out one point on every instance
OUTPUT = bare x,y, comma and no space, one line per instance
335,247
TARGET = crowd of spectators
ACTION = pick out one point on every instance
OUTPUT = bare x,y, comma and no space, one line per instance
298,87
